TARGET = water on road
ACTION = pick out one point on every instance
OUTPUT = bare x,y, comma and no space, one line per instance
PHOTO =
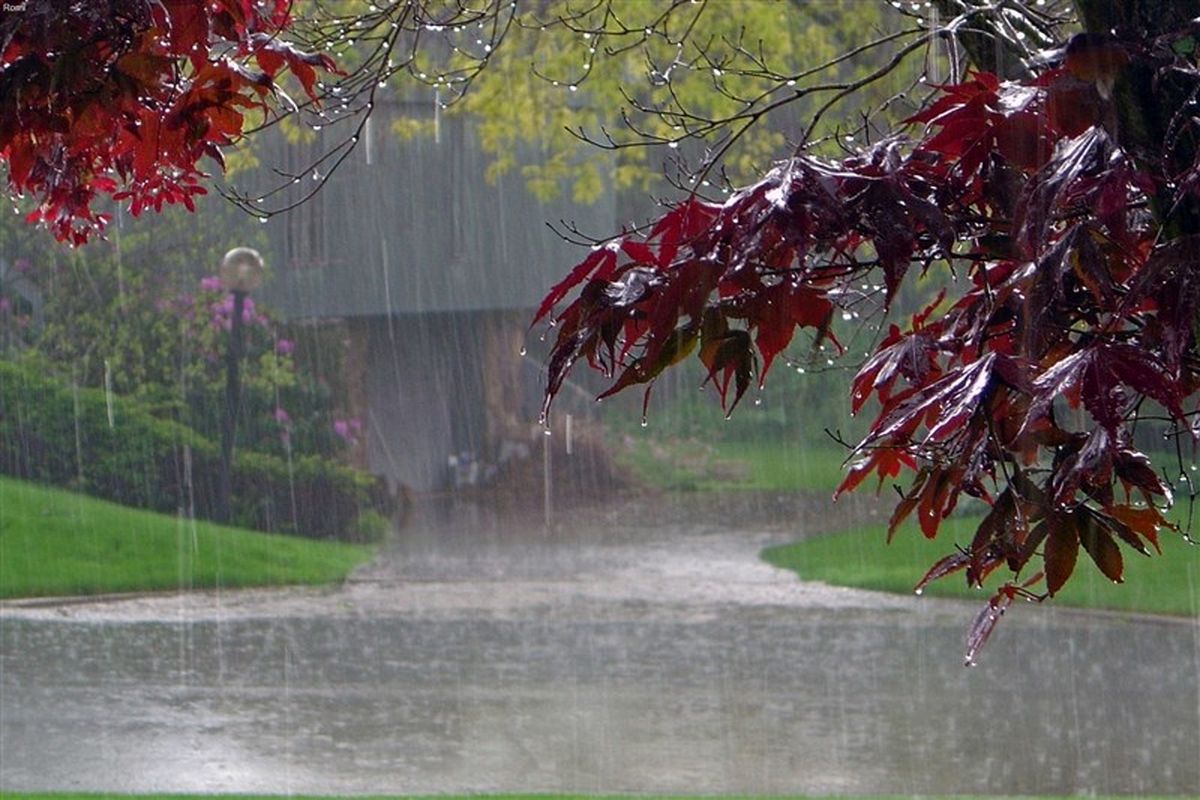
623,652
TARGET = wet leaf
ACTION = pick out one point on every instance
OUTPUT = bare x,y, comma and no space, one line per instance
1062,549
984,624
886,462
1144,522
943,567
1099,544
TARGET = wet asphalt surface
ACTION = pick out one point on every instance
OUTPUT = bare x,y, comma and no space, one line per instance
639,649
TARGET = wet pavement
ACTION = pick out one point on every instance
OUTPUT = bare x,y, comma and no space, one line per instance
640,650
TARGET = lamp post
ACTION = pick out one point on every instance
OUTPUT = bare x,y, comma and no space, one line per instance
241,273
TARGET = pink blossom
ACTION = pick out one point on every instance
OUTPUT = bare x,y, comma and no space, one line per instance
210,283
282,416
222,313
284,347
348,429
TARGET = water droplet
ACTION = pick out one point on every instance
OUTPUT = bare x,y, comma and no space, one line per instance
523,350
263,219
645,422
547,431
919,592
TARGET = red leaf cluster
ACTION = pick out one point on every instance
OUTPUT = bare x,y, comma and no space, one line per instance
127,100
1021,391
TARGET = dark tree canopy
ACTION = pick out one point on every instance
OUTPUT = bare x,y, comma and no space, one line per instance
1063,199
141,100
125,99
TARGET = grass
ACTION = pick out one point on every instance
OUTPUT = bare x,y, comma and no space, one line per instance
691,465
54,542
1169,584
74,796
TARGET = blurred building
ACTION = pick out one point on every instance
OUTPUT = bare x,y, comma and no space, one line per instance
431,273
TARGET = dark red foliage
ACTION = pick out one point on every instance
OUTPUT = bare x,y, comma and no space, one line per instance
1079,309
126,99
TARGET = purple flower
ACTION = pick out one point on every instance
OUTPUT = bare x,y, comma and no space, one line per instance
284,347
210,283
221,314
348,429
282,416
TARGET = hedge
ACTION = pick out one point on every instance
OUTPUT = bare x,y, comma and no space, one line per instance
113,447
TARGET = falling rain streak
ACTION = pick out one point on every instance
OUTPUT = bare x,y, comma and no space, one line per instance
429,583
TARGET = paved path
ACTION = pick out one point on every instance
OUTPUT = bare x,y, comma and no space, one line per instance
644,649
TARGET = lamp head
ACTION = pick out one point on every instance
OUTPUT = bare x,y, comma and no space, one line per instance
242,270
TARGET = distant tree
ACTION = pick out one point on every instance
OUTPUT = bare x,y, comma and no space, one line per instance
1061,195
641,78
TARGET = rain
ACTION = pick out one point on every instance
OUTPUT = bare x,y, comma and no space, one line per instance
285,508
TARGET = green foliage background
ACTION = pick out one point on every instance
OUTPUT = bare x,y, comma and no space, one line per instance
564,70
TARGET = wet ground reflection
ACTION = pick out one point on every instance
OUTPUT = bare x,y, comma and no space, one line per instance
628,667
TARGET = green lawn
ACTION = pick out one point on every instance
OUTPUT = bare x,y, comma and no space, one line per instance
690,465
1167,584
54,542
51,796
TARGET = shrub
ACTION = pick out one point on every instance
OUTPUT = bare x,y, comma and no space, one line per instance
113,447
